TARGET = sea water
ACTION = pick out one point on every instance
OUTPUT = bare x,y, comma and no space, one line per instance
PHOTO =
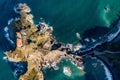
93,70
67,17
5,70
76,73
71,16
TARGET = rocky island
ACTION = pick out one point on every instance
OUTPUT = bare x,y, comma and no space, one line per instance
35,45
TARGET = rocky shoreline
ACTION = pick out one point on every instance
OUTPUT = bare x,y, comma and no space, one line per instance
35,45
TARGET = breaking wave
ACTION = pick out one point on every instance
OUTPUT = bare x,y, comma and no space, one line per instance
107,72
106,38
6,30
15,10
9,21
7,36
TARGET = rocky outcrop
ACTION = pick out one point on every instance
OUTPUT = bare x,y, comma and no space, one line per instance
33,45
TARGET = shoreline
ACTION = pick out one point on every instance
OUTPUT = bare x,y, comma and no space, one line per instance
35,45
63,44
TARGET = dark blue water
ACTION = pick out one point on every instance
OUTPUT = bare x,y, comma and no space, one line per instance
7,12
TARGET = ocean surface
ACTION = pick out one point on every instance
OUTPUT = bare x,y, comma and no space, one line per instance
70,16
94,70
67,18
76,73
5,70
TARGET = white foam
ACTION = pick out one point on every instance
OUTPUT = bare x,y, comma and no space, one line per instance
6,29
9,21
7,35
93,40
106,38
15,10
107,72
78,35
87,39
77,47
4,58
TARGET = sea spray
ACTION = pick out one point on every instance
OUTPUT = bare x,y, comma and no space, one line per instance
7,35
15,10
9,21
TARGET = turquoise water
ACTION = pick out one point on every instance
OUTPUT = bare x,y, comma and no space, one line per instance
71,16
51,74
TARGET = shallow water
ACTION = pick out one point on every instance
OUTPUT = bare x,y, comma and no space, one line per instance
76,74
94,70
